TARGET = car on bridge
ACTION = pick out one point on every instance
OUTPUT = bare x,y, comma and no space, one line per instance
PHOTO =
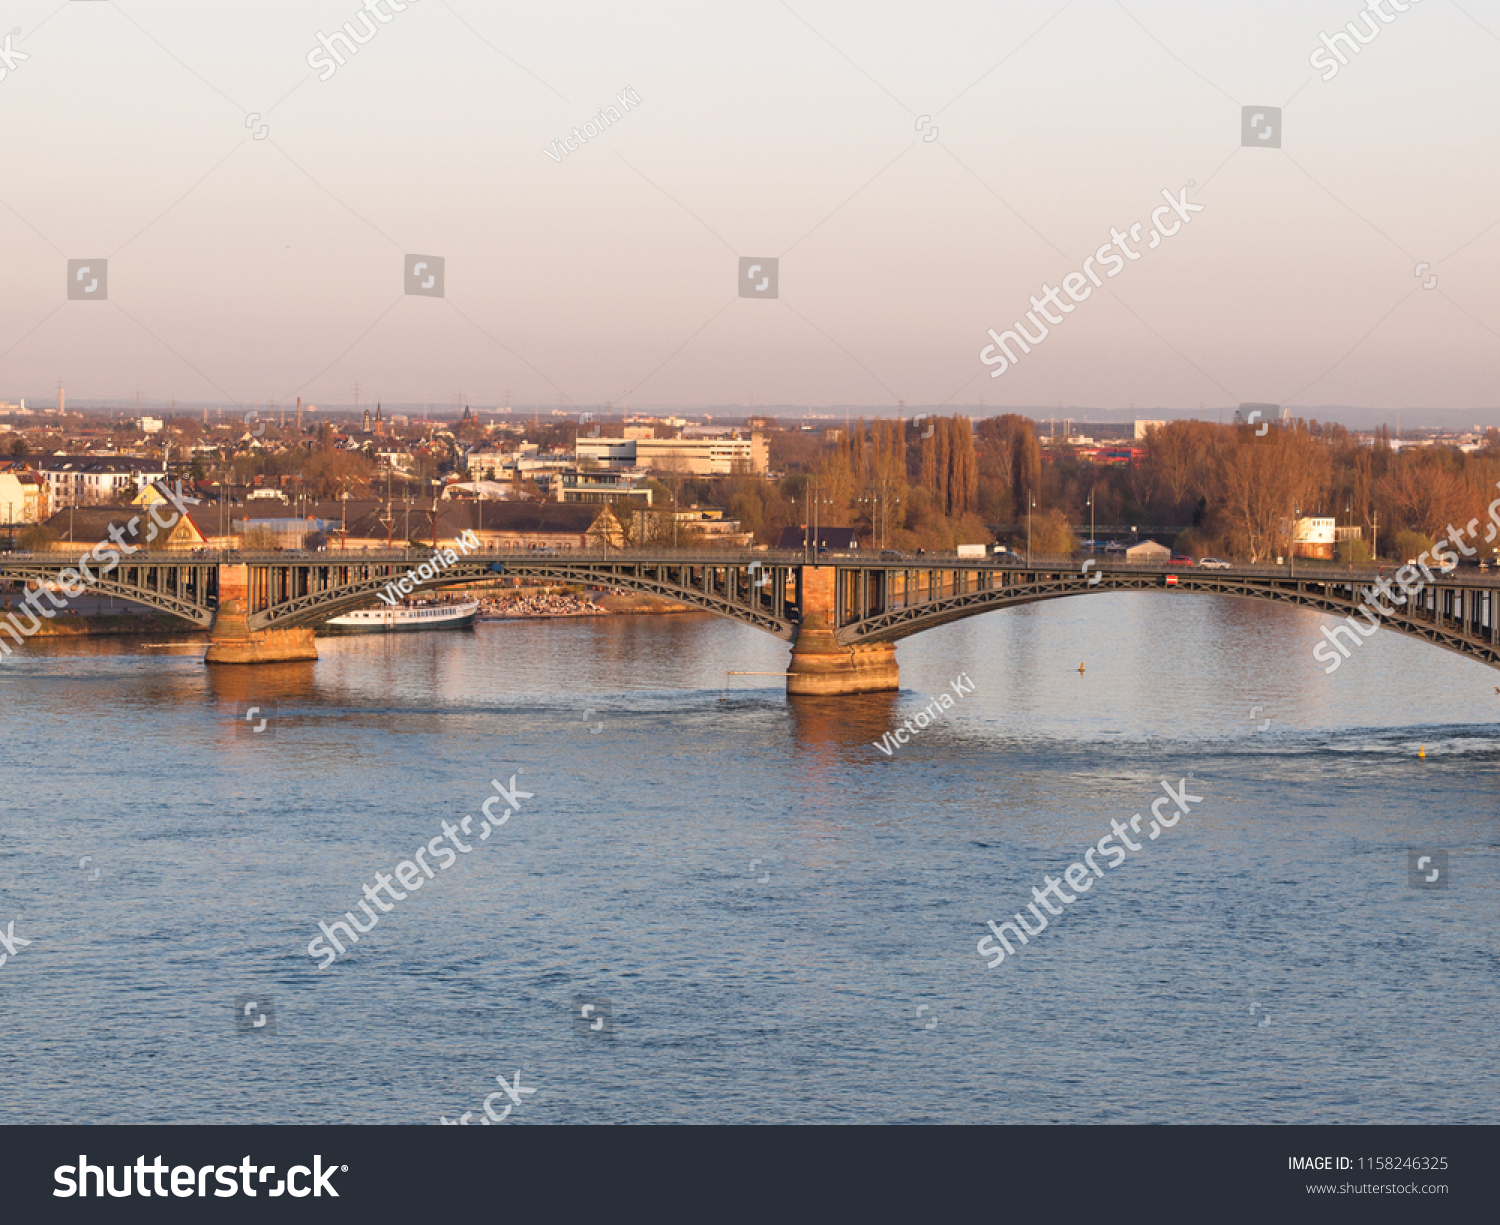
1214,563
1180,559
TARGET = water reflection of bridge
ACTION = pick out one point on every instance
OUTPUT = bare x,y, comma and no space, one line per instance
843,615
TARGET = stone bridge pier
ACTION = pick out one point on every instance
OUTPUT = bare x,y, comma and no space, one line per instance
232,641
821,666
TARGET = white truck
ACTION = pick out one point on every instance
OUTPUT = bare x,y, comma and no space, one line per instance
973,550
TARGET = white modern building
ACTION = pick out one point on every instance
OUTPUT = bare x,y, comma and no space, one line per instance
84,480
599,486
606,452
686,456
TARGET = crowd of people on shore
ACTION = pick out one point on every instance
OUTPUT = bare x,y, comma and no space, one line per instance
540,605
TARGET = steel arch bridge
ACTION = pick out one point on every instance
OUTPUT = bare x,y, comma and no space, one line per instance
858,603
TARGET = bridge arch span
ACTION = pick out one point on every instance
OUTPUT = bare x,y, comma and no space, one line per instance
727,588
183,591
1459,616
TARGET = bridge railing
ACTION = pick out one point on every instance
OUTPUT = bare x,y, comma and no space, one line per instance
700,556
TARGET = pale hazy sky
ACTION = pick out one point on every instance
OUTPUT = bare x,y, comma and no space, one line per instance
244,270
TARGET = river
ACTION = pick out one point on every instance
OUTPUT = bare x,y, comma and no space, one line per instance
772,919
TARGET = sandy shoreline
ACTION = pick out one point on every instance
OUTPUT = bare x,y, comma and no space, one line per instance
118,626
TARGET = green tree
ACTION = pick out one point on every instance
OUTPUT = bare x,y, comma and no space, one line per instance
1410,545
1353,551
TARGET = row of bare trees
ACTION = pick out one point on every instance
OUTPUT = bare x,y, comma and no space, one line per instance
1241,490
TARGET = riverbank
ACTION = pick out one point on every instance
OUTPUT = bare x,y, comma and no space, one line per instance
64,626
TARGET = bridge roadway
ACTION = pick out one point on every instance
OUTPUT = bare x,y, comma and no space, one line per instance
842,613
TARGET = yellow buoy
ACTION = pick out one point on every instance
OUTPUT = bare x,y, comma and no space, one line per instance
1422,752
1080,667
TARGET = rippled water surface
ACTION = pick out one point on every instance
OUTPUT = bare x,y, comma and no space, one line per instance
782,918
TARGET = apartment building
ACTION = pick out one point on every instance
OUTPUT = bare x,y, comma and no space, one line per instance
23,494
86,480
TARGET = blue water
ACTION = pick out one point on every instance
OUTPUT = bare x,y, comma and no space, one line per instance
1264,961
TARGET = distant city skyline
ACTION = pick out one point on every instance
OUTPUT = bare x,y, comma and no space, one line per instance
1352,417
196,208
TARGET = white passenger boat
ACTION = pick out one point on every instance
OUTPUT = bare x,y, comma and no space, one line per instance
404,618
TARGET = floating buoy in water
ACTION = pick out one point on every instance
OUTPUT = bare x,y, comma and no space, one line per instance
1080,667
1422,752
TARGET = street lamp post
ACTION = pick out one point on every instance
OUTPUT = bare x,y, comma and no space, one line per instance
1093,540
807,522
817,515
879,502
1030,511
